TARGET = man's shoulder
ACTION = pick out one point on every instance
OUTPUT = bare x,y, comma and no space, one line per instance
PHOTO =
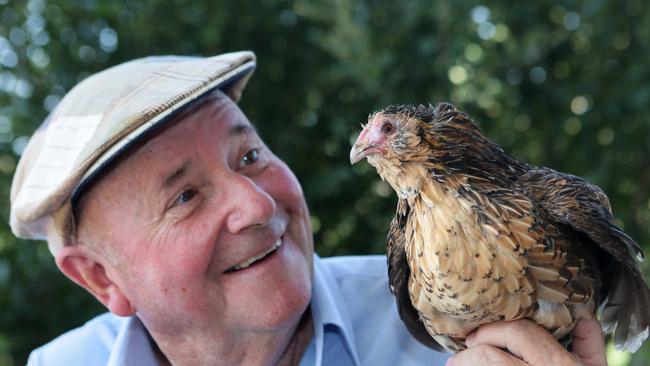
362,266
362,276
381,337
89,344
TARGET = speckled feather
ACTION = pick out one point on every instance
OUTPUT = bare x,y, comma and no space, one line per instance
479,236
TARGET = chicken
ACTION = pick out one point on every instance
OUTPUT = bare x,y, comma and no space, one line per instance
480,237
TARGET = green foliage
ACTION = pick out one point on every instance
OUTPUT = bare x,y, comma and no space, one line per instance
564,85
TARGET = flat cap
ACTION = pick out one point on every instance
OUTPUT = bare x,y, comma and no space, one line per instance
100,118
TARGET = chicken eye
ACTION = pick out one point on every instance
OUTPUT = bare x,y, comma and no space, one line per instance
387,128
250,157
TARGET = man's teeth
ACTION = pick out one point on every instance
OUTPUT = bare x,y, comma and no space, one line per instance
249,261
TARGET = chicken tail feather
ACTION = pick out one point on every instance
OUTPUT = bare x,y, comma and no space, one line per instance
626,311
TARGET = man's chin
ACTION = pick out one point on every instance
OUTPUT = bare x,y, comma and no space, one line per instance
279,285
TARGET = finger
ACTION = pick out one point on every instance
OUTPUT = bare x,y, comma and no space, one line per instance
589,343
524,339
484,355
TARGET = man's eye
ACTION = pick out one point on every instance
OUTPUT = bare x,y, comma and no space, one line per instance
249,158
185,197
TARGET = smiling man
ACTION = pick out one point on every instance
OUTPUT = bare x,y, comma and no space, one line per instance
208,241
156,195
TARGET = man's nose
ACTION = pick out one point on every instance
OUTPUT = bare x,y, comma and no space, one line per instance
250,205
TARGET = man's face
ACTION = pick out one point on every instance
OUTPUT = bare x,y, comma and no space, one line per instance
186,211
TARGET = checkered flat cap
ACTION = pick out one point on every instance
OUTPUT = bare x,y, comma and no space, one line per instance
97,120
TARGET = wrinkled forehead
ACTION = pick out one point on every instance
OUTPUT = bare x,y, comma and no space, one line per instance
215,124
214,112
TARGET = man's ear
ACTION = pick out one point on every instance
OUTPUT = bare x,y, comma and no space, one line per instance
79,263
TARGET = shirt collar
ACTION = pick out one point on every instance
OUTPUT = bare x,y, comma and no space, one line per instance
132,346
329,310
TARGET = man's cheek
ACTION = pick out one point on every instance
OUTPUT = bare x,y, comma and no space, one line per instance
287,185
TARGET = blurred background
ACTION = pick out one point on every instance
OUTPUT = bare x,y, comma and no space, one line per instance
563,84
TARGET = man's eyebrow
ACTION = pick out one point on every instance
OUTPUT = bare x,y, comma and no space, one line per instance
234,131
241,129
175,175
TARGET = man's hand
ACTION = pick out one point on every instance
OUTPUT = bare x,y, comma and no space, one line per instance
523,342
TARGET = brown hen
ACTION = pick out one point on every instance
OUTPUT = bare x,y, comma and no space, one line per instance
479,236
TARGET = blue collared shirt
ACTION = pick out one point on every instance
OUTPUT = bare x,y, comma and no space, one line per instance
354,314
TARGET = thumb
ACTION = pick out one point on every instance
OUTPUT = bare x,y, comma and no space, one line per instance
589,343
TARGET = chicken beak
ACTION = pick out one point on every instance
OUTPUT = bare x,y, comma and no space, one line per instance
357,153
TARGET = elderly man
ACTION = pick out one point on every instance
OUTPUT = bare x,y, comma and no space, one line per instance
155,194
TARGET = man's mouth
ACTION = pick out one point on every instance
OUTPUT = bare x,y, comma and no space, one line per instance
252,260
